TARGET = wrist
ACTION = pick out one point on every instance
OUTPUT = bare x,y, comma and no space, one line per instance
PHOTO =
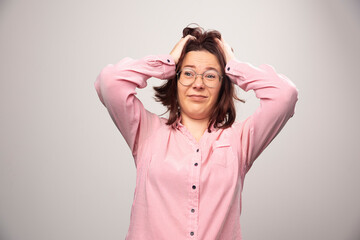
175,59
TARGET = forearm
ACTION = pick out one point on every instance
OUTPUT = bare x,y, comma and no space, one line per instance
129,74
267,84
116,87
278,97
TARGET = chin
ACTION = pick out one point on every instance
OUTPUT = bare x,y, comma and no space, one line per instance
198,115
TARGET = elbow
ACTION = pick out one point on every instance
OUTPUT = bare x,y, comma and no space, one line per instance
106,75
97,88
290,92
291,99
287,94
102,81
293,94
288,98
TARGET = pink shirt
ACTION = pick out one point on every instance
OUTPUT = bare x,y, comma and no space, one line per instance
187,189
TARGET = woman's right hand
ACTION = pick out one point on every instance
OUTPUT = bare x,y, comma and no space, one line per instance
176,52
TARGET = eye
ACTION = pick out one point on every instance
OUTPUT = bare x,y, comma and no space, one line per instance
211,76
188,73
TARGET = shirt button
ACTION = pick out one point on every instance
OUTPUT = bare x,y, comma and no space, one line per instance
195,164
228,68
192,233
193,187
192,210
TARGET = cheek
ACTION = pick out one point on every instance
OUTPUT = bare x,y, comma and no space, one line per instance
215,96
180,96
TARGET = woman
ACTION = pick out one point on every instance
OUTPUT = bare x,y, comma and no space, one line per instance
191,166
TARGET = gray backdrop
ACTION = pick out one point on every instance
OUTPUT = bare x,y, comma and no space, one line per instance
67,173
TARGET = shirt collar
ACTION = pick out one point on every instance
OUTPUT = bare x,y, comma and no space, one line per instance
178,125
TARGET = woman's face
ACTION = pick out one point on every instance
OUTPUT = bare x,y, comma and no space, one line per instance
197,100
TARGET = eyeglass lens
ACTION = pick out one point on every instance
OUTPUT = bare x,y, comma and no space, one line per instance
210,78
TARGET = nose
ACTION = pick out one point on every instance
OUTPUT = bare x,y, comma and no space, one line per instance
198,83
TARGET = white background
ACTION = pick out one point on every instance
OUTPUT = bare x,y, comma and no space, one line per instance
67,173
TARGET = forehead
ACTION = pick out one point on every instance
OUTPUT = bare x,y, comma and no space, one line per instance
201,61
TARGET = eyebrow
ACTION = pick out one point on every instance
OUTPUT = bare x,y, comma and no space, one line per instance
207,68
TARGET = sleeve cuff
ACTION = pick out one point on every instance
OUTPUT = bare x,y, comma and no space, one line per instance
168,65
166,62
236,69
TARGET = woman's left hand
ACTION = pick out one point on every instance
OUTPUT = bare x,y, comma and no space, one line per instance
229,52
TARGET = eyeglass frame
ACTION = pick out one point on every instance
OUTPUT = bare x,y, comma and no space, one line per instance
196,74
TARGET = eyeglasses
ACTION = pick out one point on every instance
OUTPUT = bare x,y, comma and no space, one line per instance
187,77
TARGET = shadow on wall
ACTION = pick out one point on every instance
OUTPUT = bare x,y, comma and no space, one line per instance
3,7
350,10
355,6
356,235
2,233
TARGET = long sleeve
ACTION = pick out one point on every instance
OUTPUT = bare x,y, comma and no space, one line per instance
115,86
278,97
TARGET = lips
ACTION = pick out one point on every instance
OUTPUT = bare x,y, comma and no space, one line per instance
197,97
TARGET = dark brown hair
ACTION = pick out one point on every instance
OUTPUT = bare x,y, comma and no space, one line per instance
223,114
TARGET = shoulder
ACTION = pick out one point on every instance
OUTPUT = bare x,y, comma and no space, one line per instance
163,121
159,123
239,128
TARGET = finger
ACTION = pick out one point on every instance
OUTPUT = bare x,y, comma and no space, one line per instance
189,36
223,42
219,41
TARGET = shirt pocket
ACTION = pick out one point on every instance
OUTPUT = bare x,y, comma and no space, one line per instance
222,153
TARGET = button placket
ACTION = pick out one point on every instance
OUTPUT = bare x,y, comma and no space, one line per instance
195,192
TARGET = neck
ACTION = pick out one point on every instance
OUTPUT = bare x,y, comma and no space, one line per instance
196,127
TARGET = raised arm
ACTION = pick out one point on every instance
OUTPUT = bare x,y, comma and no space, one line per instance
278,97
115,86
